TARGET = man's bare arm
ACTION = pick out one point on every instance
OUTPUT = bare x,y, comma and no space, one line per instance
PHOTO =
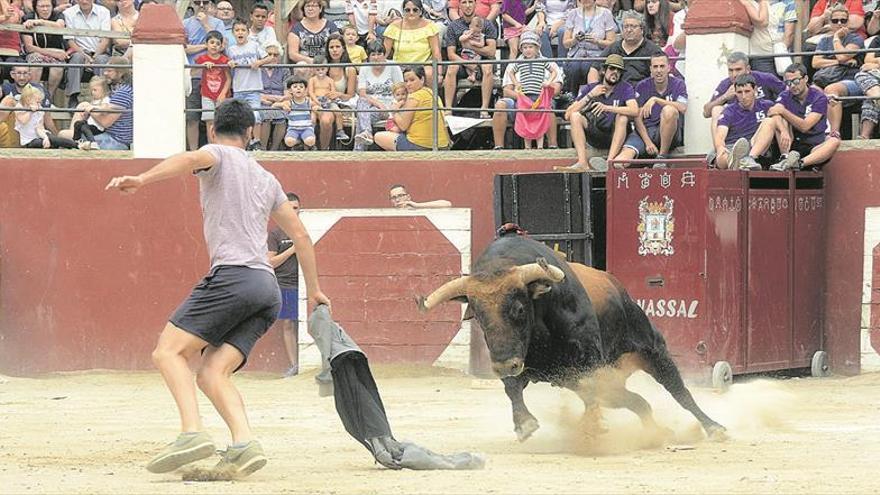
286,218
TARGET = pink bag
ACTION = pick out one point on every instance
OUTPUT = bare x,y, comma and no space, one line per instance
533,125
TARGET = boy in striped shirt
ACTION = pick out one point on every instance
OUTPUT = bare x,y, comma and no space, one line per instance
300,121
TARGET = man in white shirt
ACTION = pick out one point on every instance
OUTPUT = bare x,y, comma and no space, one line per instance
85,49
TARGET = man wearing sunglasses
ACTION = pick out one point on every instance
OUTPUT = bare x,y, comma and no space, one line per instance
197,28
820,17
801,110
633,44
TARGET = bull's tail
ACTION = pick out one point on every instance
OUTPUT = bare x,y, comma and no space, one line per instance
663,369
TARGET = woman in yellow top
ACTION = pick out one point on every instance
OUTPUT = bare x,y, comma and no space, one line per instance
415,125
413,39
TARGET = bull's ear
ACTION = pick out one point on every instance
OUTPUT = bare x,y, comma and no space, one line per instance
468,314
538,289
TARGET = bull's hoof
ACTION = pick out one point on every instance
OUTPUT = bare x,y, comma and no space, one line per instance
525,429
717,433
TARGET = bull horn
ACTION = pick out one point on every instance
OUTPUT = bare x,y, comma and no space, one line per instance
449,290
540,270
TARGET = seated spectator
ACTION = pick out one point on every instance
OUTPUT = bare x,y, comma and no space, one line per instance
196,29
800,111
489,10
226,13
501,119
459,38
869,82
309,37
633,44
340,86
257,30
215,81
658,21
10,41
437,11
413,39
660,123
362,17
44,48
9,137
85,49
600,116
589,29
733,137
300,117
29,123
513,15
767,86
821,15
389,11
117,126
124,22
356,53
415,125
374,92
21,78
273,126
836,73
83,130
760,41
400,198
550,24
783,24
873,26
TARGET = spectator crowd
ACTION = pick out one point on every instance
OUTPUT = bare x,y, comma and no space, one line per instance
629,99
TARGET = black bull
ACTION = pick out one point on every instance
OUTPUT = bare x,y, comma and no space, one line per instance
546,320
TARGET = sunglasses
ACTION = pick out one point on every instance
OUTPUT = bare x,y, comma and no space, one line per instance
793,82
202,2
412,10
839,21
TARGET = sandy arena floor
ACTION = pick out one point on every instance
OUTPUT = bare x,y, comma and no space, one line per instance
92,433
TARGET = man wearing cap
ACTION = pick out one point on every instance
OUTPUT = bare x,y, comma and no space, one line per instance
633,44
500,120
258,30
600,116
662,102
457,34
196,29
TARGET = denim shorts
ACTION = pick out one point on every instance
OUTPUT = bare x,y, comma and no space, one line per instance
300,134
404,144
634,140
232,305
852,88
252,98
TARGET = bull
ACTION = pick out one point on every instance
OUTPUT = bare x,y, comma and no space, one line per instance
545,320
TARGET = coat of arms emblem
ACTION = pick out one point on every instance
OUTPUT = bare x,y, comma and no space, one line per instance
656,226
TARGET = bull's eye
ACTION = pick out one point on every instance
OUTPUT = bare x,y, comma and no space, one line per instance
517,310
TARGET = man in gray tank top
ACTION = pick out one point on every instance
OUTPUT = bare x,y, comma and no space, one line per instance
237,301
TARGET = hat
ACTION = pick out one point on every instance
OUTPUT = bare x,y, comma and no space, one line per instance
530,37
614,60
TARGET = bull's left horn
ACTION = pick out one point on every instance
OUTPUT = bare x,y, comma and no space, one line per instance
540,271
449,290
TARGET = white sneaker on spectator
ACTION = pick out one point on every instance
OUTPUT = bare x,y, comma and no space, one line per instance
740,150
341,135
364,138
790,160
749,163
599,164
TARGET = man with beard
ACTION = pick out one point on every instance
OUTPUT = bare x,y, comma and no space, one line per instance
118,126
456,35
607,108
21,77
801,111
737,125
662,102
633,44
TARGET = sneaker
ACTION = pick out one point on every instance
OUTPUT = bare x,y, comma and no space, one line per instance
599,164
242,461
740,150
749,163
363,138
84,145
790,160
710,159
292,371
186,449
574,167
254,146
660,164
341,135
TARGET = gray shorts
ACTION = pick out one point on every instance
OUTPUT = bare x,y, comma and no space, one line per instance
234,305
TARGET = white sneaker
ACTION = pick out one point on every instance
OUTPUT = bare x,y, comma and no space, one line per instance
791,160
740,150
363,138
599,164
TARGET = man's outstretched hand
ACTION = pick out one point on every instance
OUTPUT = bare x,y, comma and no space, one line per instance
127,184
319,298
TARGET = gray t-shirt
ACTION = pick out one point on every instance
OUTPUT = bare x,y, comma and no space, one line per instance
243,77
237,197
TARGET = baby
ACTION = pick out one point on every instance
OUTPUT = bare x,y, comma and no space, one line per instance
400,94
321,86
356,53
471,39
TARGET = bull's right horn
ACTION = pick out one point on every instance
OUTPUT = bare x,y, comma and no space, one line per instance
540,270
449,290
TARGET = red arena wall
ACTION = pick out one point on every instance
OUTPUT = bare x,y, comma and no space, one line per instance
88,278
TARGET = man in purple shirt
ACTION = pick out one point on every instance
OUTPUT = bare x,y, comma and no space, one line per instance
662,102
737,124
768,87
801,111
600,116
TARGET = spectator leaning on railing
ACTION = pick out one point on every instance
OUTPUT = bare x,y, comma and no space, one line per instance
118,126
274,121
457,36
415,125
589,29
42,48
85,49
196,29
